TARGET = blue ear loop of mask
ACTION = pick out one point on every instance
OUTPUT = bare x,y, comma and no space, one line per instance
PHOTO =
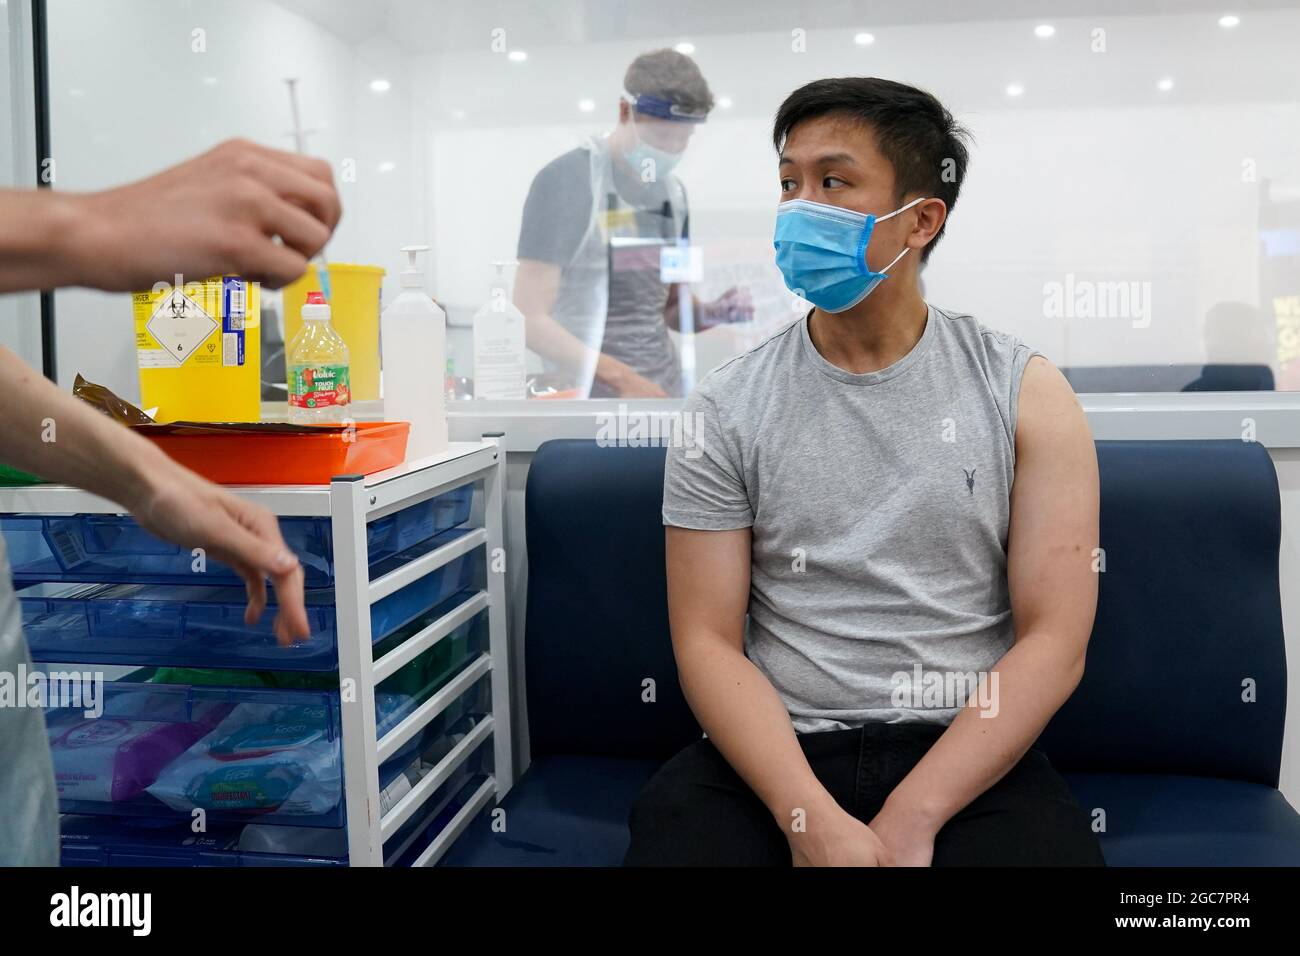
821,251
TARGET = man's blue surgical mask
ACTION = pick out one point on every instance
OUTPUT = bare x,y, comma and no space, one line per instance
822,252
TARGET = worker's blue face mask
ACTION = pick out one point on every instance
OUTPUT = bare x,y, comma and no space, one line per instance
661,161
643,156
822,252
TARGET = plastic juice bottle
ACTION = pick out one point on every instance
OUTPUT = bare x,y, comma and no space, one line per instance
318,368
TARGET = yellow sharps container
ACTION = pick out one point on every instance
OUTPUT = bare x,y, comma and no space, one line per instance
354,313
199,350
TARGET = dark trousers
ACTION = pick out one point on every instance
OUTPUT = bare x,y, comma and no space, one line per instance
697,811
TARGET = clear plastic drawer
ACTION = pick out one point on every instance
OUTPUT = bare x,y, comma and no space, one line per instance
239,754
203,626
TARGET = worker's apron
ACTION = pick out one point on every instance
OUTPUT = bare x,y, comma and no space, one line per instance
29,809
582,303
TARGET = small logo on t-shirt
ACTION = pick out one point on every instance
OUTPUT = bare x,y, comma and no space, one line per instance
970,480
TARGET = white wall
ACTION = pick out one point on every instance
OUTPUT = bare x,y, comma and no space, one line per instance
20,316
131,96
1092,172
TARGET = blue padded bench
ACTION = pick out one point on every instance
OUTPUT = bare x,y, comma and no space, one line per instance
1157,735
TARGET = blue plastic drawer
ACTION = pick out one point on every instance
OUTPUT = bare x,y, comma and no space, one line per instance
165,750
466,781
429,672
151,624
239,754
100,549
131,842
203,626
402,607
126,841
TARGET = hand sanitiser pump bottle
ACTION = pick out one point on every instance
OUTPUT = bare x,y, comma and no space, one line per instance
317,363
413,346
500,358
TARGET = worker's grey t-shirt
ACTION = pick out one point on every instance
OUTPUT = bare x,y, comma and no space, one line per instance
879,505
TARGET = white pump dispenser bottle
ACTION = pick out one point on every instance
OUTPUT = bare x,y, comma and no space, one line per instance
413,349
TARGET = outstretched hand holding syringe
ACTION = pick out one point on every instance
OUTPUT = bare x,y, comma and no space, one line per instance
299,144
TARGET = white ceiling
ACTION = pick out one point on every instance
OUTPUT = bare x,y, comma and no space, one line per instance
425,26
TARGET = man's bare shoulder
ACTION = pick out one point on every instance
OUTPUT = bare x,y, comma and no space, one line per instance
1050,416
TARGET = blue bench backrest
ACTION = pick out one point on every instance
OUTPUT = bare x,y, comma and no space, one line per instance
1189,610
1169,378
597,616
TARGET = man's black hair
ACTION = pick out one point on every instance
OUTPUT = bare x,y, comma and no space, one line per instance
914,131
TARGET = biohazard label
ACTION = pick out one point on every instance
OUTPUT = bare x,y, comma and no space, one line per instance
180,325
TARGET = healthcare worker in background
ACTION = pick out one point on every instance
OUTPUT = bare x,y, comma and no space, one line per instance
240,209
597,219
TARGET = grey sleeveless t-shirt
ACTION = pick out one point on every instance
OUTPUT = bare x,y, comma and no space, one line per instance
879,504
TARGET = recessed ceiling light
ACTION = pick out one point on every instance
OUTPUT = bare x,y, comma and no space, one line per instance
458,114
209,81
1229,20
387,166
686,48
1165,85
1044,30
586,105
517,56
1015,89
724,102
380,86
864,39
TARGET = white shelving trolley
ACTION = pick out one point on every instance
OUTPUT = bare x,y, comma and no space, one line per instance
351,504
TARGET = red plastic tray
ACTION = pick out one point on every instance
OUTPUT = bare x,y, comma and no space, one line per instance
236,458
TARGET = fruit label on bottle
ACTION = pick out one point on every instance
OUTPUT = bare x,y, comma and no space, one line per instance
318,386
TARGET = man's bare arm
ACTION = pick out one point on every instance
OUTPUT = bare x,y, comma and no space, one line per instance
240,208
708,595
46,431
1053,531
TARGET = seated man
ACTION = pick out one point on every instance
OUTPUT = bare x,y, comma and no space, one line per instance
915,616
